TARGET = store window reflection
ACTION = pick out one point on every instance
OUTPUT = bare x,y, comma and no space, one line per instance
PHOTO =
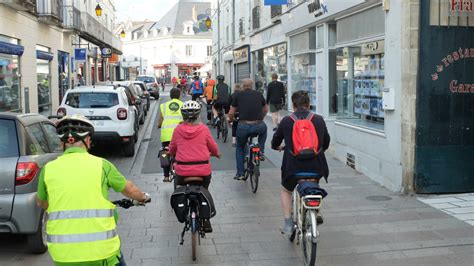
43,80
303,75
269,61
360,80
9,78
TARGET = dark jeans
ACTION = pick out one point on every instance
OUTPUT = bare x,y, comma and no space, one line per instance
196,96
243,132
234,128
209,110
166,170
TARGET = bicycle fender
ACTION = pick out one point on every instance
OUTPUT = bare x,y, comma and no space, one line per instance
314,224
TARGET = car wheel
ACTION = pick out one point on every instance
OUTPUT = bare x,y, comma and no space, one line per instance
129,149
36,242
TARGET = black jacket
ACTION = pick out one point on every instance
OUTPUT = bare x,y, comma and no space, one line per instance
290,164
275,92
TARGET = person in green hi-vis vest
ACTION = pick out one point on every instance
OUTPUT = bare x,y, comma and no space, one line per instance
73,189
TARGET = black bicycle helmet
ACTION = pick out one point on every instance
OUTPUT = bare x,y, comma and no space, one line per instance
72,129
190,110
220,78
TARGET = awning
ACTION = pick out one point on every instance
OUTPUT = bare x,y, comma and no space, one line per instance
44,55
205,68
9,48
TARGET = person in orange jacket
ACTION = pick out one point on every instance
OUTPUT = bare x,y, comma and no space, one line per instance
208,93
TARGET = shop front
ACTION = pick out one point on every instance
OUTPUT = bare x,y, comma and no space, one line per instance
10,53
188,69
242,64
63,73
43,74
269,61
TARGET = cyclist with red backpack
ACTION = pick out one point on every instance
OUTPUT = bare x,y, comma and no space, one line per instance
306,138
197,88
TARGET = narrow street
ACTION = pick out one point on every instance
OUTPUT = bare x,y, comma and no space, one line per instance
365,224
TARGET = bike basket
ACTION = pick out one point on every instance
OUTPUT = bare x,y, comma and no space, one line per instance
179,203
207,209
164,158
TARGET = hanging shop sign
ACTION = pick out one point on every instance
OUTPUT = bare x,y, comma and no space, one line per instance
241,55
318,8
80,54
106,52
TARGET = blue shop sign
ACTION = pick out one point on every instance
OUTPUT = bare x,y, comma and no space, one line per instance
44,55
275,2
9,48
80,54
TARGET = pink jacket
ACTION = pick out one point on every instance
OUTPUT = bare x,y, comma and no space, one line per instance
193,143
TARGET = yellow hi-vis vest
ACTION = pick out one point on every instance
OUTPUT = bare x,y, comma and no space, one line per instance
81,225
171,112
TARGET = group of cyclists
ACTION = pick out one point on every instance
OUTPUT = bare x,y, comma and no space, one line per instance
84,228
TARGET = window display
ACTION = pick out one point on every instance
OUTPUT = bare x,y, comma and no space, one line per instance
269,61
43,80
9,77
303,75
360,81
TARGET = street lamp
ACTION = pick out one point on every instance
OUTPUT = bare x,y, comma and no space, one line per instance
122,34
98,10
208,22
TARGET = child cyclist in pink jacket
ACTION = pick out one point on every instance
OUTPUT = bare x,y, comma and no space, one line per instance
193,145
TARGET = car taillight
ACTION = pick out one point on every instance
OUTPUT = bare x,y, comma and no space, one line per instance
122,114
61,111
25,172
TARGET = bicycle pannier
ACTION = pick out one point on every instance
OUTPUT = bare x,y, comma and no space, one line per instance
164,158
179,203
207,209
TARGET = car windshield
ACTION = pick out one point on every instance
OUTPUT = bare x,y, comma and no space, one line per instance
8,139
92,99
146,79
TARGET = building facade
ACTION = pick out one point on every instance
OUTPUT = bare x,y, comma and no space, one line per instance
179,44
358,60
38,41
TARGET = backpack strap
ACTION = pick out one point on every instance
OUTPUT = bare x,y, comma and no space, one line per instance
310,116
293,117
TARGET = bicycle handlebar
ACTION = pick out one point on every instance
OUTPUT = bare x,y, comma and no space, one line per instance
127,203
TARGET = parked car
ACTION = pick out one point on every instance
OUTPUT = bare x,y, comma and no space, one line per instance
152,85
111,111
136,98
27,143
146,94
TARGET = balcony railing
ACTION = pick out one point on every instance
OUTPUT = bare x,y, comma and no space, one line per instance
21,5
256,17
275,11
50,11
93,29
71,18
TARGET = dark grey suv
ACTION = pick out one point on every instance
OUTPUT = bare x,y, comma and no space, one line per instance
27,143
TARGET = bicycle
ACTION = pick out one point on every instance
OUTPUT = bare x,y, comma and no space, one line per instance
222,126
167,159
252,163
306,217
194,221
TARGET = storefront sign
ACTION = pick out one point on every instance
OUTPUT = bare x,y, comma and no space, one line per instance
241,55
455,86
318,8
9,48
373,48
80,54
461,7
106,52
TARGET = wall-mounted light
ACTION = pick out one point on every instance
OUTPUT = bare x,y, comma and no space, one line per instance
208,22
98,10
122,34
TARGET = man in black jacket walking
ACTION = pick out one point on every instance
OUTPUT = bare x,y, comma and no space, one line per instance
276,99
291,165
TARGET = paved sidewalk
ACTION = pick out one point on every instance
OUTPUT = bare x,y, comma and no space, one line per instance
460,206
365,224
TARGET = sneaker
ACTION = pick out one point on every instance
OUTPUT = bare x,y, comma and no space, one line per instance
239,177
206,224
287,229
166,179
319,218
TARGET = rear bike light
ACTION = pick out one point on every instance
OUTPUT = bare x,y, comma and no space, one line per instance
312,202
25,172
122,114
255,149
61,111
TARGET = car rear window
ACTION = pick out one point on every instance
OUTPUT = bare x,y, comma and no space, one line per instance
8,139
146,79
92,99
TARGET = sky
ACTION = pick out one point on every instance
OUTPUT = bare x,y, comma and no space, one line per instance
138,10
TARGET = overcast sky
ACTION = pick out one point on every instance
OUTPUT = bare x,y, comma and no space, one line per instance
137,10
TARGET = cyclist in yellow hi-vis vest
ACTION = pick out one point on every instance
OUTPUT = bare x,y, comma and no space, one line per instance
170,117
81,226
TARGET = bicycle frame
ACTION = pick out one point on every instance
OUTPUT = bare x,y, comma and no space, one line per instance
302,205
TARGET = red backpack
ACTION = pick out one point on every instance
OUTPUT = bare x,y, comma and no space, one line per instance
305,138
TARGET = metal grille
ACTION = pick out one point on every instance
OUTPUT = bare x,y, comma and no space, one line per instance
256,17
275,11
350,160
451,13
51,8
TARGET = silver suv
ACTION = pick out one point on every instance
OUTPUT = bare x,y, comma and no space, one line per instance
27,143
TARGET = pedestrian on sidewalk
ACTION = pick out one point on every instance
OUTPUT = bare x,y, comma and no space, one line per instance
235,123
169,118
82,222
291,165
276,99
252,109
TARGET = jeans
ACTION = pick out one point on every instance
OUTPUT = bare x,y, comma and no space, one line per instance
166,170
243,132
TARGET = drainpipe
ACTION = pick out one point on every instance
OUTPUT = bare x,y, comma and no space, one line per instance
218,38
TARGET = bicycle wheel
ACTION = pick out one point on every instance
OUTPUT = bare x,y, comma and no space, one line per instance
248,168
218,129
309,246
255,174
225,130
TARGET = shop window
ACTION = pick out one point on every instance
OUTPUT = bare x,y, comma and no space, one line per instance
271,60
9,79
303,75
43,82
360,80
63,70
